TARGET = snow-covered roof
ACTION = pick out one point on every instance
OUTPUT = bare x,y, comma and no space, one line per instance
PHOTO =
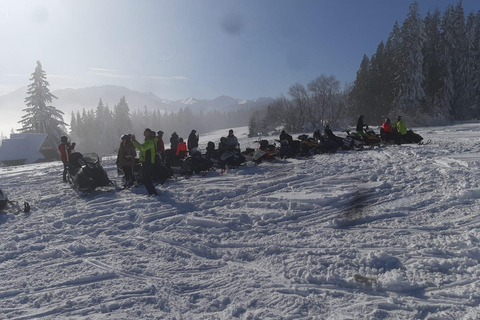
23,146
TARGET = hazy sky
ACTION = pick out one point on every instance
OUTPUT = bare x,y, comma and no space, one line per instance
194,48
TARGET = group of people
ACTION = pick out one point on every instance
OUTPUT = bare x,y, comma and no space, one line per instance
395,131
152,151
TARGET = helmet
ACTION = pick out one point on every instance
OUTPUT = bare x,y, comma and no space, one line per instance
126,137
180,140
160,133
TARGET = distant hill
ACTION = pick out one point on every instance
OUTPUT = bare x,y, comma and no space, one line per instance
76,99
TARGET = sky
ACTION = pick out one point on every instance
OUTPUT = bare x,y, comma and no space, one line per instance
178,49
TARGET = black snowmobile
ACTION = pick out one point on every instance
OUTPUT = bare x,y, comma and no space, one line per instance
225,156
85,172
196,163
4,202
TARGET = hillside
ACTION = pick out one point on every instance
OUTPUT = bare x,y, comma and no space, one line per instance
281,240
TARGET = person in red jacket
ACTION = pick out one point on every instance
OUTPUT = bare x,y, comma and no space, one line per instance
181,149
65,149
387,133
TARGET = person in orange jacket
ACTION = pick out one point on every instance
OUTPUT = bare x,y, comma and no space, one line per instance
181,149
65,149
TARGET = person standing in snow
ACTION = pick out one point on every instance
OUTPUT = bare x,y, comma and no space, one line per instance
361,125
232,141
65,149
147,158
126,159
192,141
174,142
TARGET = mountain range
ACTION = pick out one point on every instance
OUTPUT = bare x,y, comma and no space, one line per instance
76,99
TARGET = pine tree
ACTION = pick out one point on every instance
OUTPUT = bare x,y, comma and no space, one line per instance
434,70
121,118
360,96
411,98
41,117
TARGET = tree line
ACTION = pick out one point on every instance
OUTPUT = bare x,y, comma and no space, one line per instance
428,71
99,130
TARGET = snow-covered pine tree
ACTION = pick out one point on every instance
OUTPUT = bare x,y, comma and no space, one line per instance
469,72
253,125
121,118
104,129
411,97
476,58
434,69
360,96
41,117
449,63
391,59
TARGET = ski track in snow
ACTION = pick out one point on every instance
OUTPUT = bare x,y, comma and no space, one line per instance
281,240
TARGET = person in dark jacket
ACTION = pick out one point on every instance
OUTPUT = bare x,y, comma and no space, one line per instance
192,141
147,158
65,149
126,159
330,135
174,142
285,136
361,125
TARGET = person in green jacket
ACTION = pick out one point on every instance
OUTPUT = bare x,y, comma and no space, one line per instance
401,128
147,158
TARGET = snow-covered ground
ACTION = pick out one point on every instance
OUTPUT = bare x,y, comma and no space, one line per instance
280,240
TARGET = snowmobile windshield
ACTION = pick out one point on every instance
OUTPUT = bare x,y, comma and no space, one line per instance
91,158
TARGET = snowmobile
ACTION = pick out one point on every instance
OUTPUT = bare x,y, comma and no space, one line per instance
4,202
310,146
286,150
412,137
265,152
225,156
371,139
161,172
353,140
196,163
85,172
231,159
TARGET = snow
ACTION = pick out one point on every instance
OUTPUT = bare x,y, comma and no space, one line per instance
281,240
